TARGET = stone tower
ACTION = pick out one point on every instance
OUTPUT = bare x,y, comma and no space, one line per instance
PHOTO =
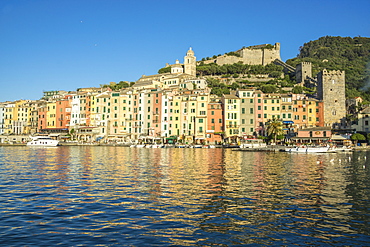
190,63
331,90
303,71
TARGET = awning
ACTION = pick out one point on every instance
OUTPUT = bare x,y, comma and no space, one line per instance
288,122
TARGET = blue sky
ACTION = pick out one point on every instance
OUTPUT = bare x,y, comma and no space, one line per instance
69,44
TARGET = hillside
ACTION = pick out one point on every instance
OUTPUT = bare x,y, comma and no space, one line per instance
332,53
340,53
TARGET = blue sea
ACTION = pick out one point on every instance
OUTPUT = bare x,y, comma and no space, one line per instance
121,196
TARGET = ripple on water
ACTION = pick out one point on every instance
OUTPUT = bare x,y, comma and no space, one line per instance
181,197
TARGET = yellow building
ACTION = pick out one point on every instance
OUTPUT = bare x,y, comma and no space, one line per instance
114,119
201,117
231,104
176,116
9,117
51,115
311,112
123,114
271,106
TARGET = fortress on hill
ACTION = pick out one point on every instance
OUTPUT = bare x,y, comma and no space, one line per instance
252,55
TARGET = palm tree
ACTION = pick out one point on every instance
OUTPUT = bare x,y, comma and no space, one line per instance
274,128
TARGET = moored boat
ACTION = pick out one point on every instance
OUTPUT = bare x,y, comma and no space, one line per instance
42,141
308,149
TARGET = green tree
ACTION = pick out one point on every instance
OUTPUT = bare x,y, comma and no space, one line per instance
268,88
72,133
297,89
357,137
164,70
274,129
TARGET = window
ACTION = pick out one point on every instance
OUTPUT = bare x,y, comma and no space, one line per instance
201,120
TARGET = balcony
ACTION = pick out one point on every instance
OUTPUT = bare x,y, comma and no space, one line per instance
232,126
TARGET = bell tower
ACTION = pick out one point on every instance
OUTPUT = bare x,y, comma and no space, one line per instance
190,63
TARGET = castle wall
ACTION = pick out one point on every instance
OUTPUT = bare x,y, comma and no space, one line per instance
257,55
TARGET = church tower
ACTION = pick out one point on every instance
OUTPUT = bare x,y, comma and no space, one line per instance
331,90
190,63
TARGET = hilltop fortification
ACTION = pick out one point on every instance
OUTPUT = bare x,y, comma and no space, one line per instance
252,55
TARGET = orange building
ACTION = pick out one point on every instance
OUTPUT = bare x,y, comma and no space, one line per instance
63,112
214,130
42,122
156,99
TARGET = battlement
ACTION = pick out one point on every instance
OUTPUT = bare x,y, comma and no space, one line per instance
333,72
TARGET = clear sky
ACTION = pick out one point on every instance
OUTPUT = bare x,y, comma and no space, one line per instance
69,44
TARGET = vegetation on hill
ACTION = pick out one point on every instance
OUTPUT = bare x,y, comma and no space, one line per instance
117,86
238,68
238,75
164,70
340,53
332,53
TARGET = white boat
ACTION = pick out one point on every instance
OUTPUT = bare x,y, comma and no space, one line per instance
307,149
42,141
253,143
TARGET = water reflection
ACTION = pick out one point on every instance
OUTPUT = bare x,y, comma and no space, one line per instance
132,196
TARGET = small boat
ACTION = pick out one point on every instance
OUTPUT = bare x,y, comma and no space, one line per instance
308,149
42,141
253,143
